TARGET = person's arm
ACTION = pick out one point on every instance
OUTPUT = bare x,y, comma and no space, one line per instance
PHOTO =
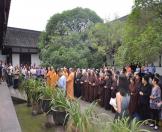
118,102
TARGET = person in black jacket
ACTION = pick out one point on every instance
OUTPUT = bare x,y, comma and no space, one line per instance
144,94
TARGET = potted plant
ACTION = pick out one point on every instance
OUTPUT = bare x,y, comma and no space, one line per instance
106,123
26,86
46,97
59,107
34,91
80,121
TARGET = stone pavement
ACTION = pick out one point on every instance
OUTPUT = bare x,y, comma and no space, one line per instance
8,117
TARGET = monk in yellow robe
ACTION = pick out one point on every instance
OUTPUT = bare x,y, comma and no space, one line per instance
48,76
53,78
65,73
70,85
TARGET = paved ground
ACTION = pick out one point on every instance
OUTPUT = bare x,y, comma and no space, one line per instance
8,117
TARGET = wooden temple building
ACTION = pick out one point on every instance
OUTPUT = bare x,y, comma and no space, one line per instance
21,46
17,46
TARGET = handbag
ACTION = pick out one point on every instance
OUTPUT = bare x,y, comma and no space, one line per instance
113,103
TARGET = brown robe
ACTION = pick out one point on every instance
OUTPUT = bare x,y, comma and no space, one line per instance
96,88
84,83
101,92
107,90
133,104
92,85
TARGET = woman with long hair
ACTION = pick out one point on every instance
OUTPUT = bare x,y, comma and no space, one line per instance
122,98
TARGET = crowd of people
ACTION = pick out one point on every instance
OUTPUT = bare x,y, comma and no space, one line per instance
137,90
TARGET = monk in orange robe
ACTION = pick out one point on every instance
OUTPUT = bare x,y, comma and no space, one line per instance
48,76
70,85
65,72
53,78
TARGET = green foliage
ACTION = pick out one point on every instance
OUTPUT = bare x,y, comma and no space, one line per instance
125,125
80,120
78,38
106,38
33,89
75,20
59,100
107,124
46,92
142,40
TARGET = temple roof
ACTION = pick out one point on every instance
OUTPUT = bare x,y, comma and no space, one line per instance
16,37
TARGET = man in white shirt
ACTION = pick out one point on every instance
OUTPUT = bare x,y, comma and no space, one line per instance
62,81
10,72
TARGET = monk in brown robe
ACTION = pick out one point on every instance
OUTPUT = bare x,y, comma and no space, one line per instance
107,90
101,92
96,88
87,84
70,85
92,84
133,104
77,84
84,83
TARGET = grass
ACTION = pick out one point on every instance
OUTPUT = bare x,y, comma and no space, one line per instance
31,123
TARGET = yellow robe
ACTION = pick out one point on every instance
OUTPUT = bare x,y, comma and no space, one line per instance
65,74
48,78
53,78
70,86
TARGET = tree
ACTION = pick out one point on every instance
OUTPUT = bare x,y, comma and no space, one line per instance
106,38
65,41
142,41
75,20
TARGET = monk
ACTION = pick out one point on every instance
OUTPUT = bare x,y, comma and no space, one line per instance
53,77
101,92
65,72
107,90
48,76
83,82
70,85
92,82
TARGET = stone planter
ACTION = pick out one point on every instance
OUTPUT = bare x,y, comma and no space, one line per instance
59,117
46,105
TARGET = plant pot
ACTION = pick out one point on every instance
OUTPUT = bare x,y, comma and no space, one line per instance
40,111
59,117
29,104
34,108
46,105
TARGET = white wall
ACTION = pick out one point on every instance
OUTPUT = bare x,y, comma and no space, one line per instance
35,59
15,59
2,57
